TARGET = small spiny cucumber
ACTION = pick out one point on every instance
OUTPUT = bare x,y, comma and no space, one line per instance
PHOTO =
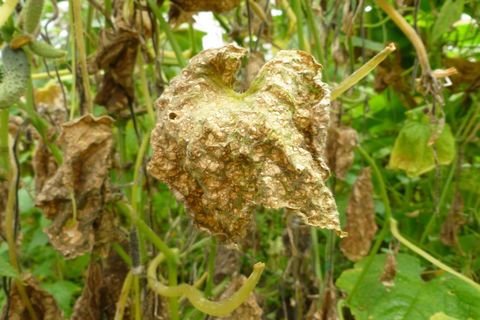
45,50
31,14
15,74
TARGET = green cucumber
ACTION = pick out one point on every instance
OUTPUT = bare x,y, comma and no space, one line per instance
31,14
45,50
15,74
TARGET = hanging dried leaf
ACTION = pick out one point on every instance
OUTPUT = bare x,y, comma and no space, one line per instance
80,180
413,153
468,73
249,310
102,289
182,10
43,303
454,221
361,226
389,269
340,146
117,55
223,153
50,104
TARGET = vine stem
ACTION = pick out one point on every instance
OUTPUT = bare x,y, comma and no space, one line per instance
122,300
10,171
170,36
428,257
82,55
362,72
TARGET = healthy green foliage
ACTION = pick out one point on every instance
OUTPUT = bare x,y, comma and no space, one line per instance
450,12
410,297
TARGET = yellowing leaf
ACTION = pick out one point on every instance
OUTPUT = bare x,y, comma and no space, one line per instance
412,153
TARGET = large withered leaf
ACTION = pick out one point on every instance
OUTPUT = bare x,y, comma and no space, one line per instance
340,146
361,226
223,153
249,310
102,289
81,179
117,56
43,303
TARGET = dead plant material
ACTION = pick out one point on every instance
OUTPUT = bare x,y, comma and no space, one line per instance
328,310
340,149
227,262
454,221
43,303
102,289
74,196
117,55
223,153
256,60
468,73
249,310
390,74
182,10
389,269
361,226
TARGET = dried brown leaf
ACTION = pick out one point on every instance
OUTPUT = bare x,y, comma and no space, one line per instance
82,177
182,10
468,72
223,153
340,149
43,303
328,309
102,289
454,221
249,310
389,269
117,55
361,226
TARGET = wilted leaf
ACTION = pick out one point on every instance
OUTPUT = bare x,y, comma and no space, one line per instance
468,72
223,153
340,146
117,55
361,226
182,10
249,310
389,270
450,12
42,302
410,297
82,177
102,289
413,153
453,222
50,104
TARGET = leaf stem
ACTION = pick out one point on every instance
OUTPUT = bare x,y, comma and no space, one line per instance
361,73
80,46
428,257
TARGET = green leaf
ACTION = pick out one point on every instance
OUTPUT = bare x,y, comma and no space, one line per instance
63,292
410,297
412,153
450,12
6,269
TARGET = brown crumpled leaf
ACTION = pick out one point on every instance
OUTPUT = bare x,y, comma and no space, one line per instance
328,309
340,146
361,226
43,303
182,10
454,221
223,153
249,310
87,145
389,269
102,289
468,73
116,55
